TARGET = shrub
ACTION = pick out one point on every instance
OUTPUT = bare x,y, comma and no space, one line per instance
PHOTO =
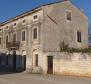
64,48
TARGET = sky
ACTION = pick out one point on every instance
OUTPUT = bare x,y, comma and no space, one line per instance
12,8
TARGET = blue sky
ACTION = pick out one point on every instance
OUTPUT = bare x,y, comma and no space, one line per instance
12,8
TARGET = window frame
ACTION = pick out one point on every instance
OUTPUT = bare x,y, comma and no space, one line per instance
35,16
37,33
5,38
66,15
23,23
35,19
6,27
36,60
79,36
14,24
21,35
15,33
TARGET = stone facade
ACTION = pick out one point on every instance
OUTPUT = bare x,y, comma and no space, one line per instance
52,28
64,63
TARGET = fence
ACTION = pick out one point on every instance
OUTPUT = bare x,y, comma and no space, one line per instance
13,62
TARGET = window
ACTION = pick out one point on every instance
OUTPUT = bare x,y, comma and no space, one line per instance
68,15
7,39
0,30
23,35
24,21
36,59
35,33
14,24
14,37
7,27
0,40
35,17
78,36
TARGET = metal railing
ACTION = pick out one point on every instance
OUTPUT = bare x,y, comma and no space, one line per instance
13,45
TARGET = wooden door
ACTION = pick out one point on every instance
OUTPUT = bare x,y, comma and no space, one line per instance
50,64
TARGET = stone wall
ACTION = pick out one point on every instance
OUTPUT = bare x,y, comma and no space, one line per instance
60,29
78,64
74,64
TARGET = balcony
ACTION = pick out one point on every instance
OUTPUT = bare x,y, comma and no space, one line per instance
13,45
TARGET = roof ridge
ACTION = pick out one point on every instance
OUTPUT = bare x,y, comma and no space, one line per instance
28,12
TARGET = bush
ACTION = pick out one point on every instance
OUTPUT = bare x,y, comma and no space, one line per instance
64,48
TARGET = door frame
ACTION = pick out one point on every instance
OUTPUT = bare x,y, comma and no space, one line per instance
49,66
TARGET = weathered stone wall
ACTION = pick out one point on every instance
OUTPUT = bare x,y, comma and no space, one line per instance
77,64
73,64
60,29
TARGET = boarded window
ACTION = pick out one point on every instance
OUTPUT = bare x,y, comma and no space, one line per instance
23,36
78,36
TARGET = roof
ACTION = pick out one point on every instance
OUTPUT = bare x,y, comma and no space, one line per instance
28,12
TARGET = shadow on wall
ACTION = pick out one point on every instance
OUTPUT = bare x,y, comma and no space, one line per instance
12,63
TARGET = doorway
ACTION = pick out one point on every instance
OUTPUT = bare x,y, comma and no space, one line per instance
36,59
50,64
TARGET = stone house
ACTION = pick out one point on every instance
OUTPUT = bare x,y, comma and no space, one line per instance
39,32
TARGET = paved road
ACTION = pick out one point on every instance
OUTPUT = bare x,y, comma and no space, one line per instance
26,78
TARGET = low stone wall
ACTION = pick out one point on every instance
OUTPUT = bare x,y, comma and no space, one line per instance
77,64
